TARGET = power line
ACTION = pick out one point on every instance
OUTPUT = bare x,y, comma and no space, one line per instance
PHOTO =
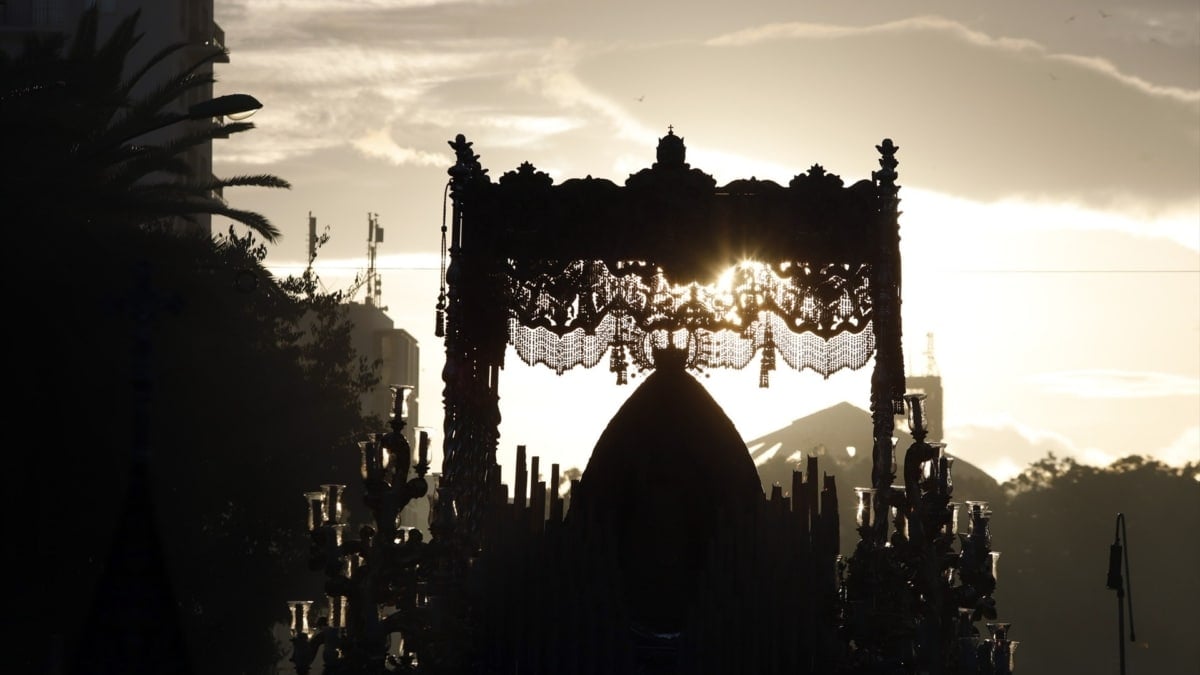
1077,271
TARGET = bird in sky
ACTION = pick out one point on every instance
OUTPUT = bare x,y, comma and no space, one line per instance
639,99
1103,14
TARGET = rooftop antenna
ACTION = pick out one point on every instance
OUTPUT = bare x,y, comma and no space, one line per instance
374,283
371,279
312,240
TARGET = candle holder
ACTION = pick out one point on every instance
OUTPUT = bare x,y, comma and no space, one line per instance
333,502
316,508
978,513
916,416
400,394
299,609
865,498
950,527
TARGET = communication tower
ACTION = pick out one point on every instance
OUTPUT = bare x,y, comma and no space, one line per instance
370,279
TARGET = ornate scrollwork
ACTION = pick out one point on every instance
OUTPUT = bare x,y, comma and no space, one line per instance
570,314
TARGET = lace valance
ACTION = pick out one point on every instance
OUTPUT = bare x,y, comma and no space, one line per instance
571,314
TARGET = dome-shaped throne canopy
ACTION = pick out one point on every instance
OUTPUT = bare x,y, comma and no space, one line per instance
667,470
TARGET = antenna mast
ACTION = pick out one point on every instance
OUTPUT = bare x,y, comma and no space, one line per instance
374,283
312,240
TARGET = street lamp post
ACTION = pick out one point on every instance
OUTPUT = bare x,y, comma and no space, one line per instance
1118,554
233,106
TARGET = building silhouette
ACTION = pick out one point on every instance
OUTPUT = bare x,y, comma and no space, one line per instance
376,338
930,384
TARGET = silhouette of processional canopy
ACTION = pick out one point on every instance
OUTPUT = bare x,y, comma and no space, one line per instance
587,267
569,273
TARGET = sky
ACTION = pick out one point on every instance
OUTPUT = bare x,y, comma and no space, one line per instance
1049,170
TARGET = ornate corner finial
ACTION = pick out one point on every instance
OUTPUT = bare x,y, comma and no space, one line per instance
887,161
466,162
526,174
671,150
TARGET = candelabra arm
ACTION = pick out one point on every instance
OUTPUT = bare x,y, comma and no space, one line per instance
304,650
916,454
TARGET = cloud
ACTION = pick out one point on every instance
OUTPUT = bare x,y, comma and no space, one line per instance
800,30
325,6
1172,27
950,218
1003,446
983,117
808,31
1002,469
987,119
380,144
1184,449
1116,384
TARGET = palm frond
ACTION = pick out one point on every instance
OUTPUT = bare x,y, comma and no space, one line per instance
166,204
250,180
83,44
149,113
230,128
255,221
112,56
147,161
67,119
158,57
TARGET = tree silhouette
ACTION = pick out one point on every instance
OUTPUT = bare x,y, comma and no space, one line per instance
1057,528
88,145
240,389
253,398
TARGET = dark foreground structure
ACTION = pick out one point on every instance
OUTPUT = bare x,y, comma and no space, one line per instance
669,559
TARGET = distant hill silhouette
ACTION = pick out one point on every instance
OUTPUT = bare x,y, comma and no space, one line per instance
827,433
1055,533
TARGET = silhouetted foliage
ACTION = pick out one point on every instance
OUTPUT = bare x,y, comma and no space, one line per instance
1054,535
77,126
253,399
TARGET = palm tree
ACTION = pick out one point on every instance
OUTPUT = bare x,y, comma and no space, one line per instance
82,149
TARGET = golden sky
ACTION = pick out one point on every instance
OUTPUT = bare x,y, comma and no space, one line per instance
1049,170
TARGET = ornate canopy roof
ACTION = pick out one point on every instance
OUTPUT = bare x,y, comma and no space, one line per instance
587,267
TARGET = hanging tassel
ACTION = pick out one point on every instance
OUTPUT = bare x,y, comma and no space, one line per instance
619,364
439,324
768,358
